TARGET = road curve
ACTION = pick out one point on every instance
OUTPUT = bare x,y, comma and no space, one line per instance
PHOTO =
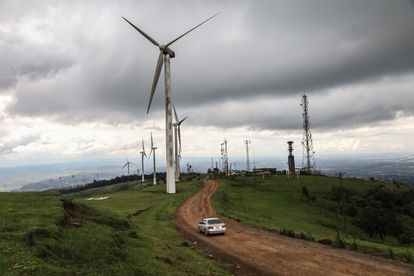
251,251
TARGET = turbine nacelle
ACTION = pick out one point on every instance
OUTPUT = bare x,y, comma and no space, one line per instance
167,51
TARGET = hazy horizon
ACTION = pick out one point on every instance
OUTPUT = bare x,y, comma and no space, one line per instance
382,166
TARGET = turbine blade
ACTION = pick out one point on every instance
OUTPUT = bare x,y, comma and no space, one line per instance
125,165
175,113
179,123
143,33
179,138
152,141
156,77
191,29
143,148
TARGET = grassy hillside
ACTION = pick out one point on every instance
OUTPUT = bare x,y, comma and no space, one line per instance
309,208
128,233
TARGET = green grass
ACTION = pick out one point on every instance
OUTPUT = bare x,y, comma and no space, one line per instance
278,205
130,233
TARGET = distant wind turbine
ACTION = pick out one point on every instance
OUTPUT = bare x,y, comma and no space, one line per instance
177,143
127,164
164,58
154,176
142,161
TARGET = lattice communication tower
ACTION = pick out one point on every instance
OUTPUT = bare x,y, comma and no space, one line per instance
308,160
225,158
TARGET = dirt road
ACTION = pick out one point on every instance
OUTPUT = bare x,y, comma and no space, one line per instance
251,251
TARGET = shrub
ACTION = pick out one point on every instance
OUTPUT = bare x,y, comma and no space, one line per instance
404,239
391,254
305,192
287,232
407,257
339,242
305,236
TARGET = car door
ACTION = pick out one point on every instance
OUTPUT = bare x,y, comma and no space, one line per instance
202,225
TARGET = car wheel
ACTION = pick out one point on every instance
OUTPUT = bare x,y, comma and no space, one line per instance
206,232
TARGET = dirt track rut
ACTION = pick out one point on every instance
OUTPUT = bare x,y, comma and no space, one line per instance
253,251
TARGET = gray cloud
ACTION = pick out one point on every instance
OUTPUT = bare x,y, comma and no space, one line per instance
7,147
90,65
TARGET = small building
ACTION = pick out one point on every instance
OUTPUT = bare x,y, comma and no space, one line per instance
266,175
259,171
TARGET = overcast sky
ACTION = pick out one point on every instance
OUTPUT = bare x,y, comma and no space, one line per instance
75,78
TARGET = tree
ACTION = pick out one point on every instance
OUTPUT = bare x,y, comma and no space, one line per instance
341,196
374,220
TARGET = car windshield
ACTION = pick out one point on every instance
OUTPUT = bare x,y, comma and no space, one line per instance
214,221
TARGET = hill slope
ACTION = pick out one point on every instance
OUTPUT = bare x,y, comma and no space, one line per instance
128,231
365,215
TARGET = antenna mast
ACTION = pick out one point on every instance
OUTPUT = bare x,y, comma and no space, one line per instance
308,160
247,155
225,158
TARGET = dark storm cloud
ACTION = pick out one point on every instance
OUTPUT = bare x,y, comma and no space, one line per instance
87,64
364,105
293,46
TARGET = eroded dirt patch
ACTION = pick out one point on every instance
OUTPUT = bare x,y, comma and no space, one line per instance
70,219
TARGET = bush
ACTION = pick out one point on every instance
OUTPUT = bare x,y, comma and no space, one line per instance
391,254
287,232
305,192
305,236
405,239
339,242
376,221
407,257
351,210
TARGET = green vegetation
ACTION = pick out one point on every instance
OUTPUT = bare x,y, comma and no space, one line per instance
129,233
362,215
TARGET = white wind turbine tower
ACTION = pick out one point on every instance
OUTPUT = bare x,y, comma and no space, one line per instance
164,57
177,144
142,161
154,177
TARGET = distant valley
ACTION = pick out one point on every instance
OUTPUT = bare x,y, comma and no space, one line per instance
384,167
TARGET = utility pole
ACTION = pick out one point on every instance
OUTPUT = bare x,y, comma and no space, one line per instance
308,161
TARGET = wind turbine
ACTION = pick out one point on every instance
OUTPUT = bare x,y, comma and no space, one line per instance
142,161
164,58
154,177
177,140
127,164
